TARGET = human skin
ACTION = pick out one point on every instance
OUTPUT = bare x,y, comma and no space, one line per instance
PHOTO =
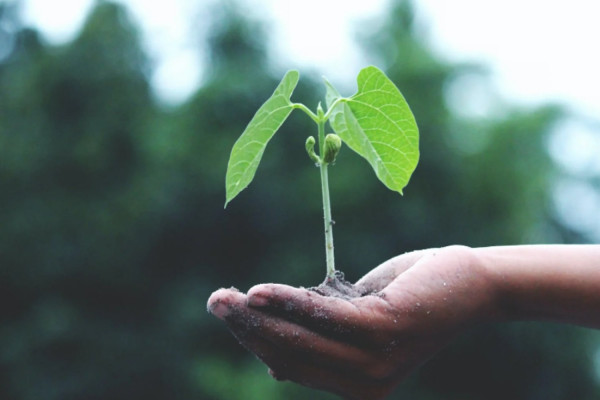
415,304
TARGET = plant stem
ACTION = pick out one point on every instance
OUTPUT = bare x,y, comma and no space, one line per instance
326,202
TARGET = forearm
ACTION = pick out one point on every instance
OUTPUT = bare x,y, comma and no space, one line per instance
545,282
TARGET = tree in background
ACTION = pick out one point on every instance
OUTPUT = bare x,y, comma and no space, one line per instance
113,233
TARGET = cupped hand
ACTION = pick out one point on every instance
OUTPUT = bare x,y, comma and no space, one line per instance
361,348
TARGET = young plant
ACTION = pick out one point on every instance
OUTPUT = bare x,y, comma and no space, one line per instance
376,123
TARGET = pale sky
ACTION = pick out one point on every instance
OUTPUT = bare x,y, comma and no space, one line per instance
536,50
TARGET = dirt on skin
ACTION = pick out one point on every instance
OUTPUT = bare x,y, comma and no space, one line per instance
338,286
244,324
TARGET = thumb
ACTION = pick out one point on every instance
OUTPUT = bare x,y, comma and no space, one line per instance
380,277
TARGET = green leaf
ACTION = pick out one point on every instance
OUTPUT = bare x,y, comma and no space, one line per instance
377,124
248,149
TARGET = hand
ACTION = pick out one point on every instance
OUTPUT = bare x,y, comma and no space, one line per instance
364,347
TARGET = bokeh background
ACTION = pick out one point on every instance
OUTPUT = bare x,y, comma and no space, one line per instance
113,233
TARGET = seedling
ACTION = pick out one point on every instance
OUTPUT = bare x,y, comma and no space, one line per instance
376,123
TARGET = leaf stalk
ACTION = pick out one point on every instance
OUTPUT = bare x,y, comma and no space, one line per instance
332,106
306,110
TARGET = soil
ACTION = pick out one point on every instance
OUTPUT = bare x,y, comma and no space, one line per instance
338,286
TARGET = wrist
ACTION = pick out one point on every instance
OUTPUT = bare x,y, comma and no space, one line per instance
486,289
476,289
498,306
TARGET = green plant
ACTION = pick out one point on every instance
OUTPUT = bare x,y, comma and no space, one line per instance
376,123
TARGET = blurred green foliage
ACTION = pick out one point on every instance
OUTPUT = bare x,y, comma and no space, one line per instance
113,233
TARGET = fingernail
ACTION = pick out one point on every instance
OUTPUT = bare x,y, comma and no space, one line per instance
256,300
219,310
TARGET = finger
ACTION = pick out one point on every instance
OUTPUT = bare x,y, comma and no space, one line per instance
348,385
310,345
303,305
220,302
286,364
353,320
290,363
343,376
313,347
378,278
231,306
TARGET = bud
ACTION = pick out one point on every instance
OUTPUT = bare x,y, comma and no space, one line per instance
333,144
320,112
310,149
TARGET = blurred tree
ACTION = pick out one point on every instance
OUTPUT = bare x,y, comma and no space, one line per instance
74,212
113,233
